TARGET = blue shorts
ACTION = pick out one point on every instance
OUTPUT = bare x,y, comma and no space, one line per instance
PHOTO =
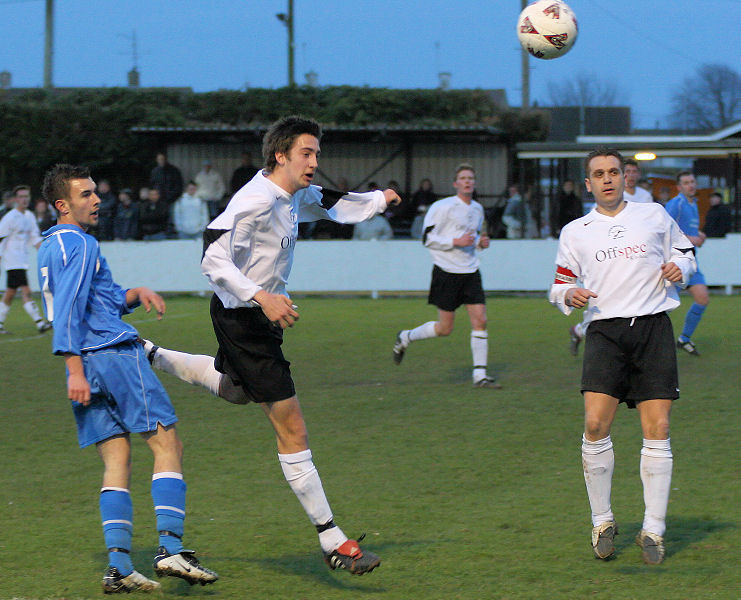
125,395
697,279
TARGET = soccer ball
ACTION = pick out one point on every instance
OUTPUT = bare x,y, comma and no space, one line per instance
547,28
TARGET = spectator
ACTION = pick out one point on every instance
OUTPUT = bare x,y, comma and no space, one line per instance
417,228
665,194
153,217
190,214
517,215
8,203
396,215
568,206
210,188
106,210
44,217
167,179
143,194
423,196
718,218
376,228
243,173
126,221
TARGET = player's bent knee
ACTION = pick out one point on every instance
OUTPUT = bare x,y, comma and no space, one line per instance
231,392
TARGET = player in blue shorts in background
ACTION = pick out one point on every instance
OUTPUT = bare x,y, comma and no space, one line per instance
112,387
683,209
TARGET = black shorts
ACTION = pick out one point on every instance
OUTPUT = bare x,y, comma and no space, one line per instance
449,290
250,354
17,278
631,359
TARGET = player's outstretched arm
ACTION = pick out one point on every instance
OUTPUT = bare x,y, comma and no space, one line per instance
392,198
148,298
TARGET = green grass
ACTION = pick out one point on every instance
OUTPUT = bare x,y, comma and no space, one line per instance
464,493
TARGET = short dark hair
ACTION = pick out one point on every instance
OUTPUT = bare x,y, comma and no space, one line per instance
18,188
464,167
602,151
281,135
631,161
683,173
56,181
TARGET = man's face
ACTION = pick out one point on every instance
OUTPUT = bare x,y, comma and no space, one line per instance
80,207
605,181
22,199
301,162
465,182
632,175
687,185
191,189
161,160
154,195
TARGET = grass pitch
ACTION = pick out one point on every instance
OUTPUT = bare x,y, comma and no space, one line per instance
464,493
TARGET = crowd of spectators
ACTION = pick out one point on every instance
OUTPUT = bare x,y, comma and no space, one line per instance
169,208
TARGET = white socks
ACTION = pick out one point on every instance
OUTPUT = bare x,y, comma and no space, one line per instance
302,476
4,308
196,369
598,460
656,475
480,353
423,332
581,329
32,310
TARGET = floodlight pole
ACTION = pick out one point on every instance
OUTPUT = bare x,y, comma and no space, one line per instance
49,45
525,65
287,20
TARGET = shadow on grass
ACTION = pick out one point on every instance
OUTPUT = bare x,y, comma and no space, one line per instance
312,565
681,532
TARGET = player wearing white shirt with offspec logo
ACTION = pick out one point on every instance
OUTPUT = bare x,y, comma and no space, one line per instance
628,257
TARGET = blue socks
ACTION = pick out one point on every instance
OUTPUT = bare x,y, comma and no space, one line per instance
117,515
168,495
691,321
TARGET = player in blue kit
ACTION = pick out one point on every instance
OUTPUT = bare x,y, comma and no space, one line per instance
114,391
683,209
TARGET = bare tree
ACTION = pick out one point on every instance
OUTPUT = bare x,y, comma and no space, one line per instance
710,99
585,89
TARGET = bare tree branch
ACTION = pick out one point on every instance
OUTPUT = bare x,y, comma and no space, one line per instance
585,89
710,99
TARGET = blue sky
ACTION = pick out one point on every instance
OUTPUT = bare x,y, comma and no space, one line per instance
646,47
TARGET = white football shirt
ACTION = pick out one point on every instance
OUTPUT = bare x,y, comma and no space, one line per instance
18,231
446,220
641,195
619,258
249,247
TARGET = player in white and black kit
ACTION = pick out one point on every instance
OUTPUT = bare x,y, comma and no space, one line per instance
627,256
248,253
452,233
632,193
18,231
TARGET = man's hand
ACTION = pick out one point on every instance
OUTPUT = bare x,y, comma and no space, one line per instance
148,299
78,388
277,308
578,297
467,239
392,198
671,272
484,241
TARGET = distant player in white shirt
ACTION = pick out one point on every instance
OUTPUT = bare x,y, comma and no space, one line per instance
18,231
628,257
452,233
633,193
247,259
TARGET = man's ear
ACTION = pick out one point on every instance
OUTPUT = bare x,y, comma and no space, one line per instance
61,206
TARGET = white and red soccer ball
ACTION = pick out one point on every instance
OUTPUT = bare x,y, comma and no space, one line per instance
547,28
